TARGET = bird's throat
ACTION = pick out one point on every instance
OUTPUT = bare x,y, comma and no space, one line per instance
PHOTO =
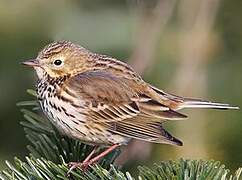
40,72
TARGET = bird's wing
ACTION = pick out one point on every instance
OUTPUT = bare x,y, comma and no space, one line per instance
114,104
109,98
142,128
106,97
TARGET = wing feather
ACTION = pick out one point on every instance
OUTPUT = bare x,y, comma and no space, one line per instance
143,130
112,102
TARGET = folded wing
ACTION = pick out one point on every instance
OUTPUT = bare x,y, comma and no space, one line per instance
122,109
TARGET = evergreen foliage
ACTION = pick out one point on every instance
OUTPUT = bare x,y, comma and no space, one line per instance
50,153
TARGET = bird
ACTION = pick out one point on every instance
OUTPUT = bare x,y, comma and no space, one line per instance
102,101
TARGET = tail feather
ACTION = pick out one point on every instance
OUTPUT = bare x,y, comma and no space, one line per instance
195,103
179,102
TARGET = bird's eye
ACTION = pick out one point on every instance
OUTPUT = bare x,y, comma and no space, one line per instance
57,62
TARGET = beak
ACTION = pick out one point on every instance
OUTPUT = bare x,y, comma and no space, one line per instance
31,63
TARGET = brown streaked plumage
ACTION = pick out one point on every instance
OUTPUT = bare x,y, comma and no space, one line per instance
102,101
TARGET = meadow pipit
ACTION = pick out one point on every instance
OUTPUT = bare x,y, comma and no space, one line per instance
102,101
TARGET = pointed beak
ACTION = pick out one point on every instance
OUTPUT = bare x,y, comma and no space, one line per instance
31,63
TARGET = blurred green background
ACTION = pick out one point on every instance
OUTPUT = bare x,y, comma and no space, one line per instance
191,48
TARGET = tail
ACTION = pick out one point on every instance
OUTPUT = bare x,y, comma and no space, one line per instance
197,103
179,102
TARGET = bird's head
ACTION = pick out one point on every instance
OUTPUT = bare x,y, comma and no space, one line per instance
59,59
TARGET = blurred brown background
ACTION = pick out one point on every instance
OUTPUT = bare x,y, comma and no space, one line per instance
190,48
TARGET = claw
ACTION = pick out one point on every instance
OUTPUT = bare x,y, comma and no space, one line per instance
88,161
72,166
84,166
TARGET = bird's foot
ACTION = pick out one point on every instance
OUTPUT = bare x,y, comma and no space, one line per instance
81,165
88,161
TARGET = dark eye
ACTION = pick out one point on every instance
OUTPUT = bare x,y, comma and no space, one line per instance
57,62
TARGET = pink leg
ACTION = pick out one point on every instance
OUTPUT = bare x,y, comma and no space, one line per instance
90,155
74,165
104,153
88,161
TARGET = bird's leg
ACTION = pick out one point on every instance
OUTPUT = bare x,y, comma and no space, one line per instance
88,161
90,155
85,164
74,165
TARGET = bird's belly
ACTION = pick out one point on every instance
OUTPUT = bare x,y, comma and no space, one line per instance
71,121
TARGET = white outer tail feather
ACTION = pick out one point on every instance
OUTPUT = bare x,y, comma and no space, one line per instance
206,104
193,103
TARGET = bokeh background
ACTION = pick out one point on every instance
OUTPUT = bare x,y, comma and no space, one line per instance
189,47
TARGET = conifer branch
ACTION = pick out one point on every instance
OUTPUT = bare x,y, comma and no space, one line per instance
50,153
